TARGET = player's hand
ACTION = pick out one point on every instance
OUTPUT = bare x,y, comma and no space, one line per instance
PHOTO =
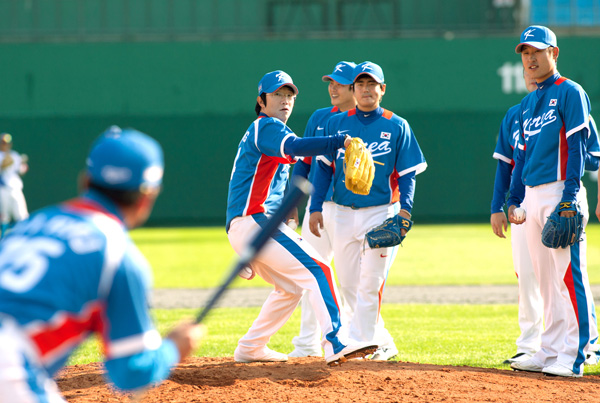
499,224
567,213
511,216
347,141
405,214
315,222
186,336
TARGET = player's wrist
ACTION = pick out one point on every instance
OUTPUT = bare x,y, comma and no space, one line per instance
406,213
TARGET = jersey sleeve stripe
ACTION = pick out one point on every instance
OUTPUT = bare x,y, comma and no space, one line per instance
324,159
282,147
501,157
417,169
563,155
129,346
576,129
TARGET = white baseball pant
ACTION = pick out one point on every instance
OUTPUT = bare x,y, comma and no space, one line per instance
309,338
564,285
531,305
362,271
291,265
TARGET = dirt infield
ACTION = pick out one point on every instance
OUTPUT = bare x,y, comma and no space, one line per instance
310,380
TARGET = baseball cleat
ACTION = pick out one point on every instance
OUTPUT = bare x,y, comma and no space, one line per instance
306,352
517,358
530,365
264,355
384,353
591,358
350,352
558,369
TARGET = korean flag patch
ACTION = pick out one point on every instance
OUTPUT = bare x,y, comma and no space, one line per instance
386,135
552,102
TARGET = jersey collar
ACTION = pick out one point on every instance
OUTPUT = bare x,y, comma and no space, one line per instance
548,82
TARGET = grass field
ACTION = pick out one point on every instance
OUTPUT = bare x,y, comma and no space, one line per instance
433,254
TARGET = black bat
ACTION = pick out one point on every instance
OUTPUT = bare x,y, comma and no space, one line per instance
300,188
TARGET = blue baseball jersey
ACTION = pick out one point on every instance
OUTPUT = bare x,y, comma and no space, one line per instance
257,179
508,139
315,128
558,109
71,270
592,158
395,151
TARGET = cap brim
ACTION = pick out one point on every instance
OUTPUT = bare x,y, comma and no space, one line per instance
373,76
276,87
337,79
537,45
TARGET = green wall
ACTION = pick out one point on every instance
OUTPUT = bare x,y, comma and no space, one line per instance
197,99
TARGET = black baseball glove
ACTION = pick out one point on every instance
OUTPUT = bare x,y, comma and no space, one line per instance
388,234
560,232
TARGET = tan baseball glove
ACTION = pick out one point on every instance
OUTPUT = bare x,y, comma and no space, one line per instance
7,161
358,167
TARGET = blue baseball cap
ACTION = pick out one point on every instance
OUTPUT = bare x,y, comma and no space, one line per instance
126,159
537,36
274,80
371,69
343,73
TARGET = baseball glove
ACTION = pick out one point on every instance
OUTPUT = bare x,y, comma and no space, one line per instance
358,167
560,232
388,234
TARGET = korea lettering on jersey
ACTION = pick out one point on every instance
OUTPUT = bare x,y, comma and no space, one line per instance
508,136
315,128
394,149
256,169
72,270
559,106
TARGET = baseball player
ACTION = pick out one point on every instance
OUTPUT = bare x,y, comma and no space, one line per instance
287,261
13,165
71,270
308,342
362,271
549,163
530,300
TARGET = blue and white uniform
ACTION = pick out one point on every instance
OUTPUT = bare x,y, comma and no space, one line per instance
362,271
288,262
69,271
530,300
554,121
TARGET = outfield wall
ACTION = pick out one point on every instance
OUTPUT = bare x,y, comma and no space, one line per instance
197,99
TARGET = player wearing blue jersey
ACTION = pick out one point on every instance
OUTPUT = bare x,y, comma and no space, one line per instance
71,270
530,301
362,271
554,123
287,261
308,342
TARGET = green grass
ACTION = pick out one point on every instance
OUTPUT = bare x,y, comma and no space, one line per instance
472,335
431,255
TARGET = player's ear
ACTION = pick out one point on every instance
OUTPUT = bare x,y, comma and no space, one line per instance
260,102
382,89
555,52
83,181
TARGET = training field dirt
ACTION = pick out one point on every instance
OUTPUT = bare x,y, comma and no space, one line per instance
311,380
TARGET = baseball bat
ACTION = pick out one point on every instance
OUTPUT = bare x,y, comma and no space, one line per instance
300,188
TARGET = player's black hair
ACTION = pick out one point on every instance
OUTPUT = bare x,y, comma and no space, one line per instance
257,108
123,198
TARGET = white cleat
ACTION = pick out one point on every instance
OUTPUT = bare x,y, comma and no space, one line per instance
385,353
360,350
517,358
558,369
264,355
306,352
530,365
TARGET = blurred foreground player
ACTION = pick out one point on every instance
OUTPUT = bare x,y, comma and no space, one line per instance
72,270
